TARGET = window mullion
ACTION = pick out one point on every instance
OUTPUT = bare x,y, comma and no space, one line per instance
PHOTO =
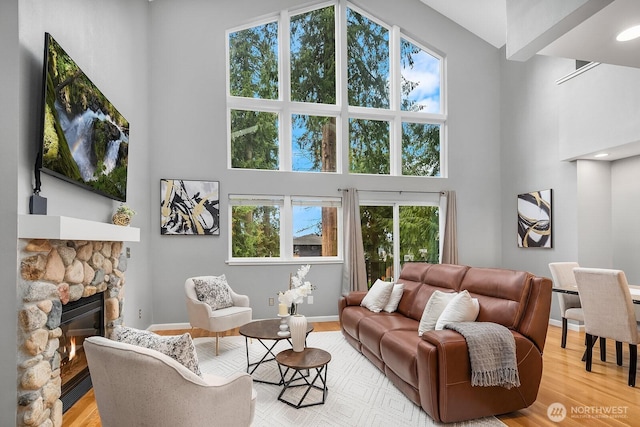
285,92
396,241
286,229
394,67
395,128
342,136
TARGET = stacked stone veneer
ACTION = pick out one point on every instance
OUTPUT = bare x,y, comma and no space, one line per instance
52,273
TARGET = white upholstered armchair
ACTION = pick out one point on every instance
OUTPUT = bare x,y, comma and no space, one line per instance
136,386
204,316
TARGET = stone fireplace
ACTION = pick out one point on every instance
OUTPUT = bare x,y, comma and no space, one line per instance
69,288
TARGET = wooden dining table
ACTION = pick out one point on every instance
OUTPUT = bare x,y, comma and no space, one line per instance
633,289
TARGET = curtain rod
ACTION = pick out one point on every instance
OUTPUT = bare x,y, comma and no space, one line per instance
397,191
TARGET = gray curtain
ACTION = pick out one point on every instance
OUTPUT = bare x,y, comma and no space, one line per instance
450,244
354,272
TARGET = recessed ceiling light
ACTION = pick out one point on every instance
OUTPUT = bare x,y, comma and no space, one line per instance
629,34
601,155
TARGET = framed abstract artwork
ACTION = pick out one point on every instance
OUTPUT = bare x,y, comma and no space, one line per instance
534,219
189,207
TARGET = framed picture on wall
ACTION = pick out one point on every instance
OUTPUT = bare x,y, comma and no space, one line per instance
534,219
189,207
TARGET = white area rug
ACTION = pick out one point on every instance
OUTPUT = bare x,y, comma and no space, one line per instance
359,394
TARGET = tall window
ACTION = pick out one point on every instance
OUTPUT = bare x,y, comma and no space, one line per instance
285,111
409,230
308,92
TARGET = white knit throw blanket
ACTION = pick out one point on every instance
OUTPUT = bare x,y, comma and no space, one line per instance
492,352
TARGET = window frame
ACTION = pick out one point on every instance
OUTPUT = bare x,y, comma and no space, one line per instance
406,199
286,204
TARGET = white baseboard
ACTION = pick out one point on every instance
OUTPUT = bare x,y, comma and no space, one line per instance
571,326
172,326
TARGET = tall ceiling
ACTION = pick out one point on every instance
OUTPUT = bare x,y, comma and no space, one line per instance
585,35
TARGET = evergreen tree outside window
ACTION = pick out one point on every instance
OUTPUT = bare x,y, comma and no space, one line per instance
410,230
253,62
313,145
369,146
255,228
254,140
368,62
312,53
420,149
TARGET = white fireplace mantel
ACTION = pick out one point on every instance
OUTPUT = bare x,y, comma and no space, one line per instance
67,228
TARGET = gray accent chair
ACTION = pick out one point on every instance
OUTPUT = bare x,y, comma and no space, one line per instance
202,316
137,386
608,313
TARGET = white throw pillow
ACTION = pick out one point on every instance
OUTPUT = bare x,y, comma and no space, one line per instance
394,299
434,308
462,308
378,296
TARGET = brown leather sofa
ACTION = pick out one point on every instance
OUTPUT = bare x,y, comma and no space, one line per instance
434,370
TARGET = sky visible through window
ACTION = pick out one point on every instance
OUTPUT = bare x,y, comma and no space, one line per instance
425,71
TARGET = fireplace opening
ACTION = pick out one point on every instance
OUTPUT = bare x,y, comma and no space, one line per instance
80,319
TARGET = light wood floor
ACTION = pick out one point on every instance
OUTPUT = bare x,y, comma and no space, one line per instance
564,381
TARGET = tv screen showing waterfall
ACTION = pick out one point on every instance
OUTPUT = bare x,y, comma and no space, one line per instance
85,140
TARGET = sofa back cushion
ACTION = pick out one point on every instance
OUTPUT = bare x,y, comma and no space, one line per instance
435,277
411,277
503,294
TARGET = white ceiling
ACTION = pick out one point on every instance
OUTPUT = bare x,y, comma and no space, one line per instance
591,40
486,19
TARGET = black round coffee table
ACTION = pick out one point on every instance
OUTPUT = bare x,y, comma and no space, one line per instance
264,330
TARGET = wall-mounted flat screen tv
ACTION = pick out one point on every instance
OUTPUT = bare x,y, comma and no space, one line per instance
85,140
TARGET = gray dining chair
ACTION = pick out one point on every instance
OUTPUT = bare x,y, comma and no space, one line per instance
608,313
570,307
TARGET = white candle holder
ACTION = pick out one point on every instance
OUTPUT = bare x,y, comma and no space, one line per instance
284,326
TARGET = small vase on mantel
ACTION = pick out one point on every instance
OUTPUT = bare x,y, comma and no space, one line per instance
298,329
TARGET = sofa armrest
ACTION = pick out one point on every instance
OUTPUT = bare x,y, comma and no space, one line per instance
355,297
352,298
443,359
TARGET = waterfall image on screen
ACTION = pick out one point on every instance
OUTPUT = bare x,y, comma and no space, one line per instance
85,140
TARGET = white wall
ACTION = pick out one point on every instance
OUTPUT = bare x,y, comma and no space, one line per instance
189,135
530,159
9,140
530,162
595,203
595,243
625,202
108,40
599,110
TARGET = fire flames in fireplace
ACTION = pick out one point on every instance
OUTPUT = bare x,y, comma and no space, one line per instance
72,350
82,319
73,363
